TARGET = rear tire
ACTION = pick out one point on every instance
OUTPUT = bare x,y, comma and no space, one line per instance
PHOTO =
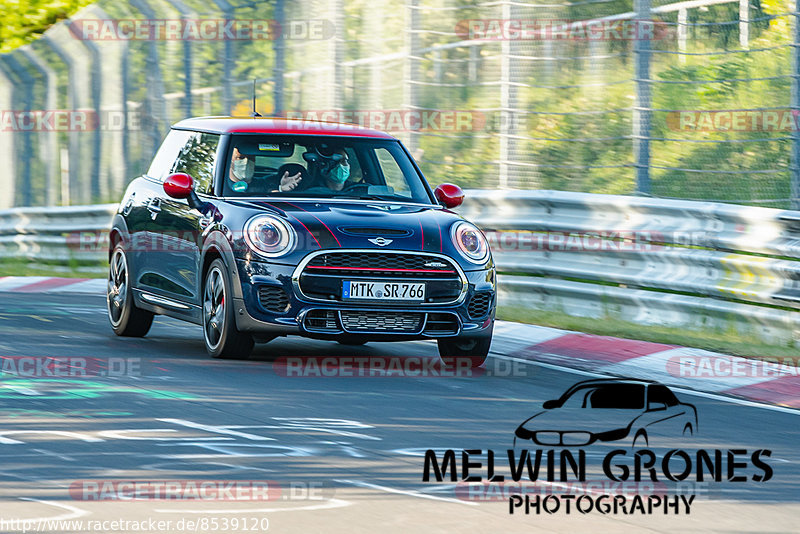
476,349
126,319
222,338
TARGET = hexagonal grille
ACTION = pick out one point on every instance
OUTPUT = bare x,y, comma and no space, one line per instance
479,305
379,321
273,298
396,264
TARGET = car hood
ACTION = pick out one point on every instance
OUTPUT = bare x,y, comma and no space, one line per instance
580,419
351,225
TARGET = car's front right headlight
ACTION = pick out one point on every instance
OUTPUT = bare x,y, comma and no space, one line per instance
470,242
269,236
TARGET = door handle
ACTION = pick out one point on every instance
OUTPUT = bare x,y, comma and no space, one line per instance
154,207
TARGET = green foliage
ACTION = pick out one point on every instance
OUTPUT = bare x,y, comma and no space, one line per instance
24,21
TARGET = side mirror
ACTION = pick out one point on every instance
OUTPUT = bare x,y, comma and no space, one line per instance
180,185
449,195
549,405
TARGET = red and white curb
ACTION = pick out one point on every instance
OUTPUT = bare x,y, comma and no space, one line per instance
770,380
49,284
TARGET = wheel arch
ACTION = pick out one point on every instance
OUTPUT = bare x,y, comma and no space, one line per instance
216,246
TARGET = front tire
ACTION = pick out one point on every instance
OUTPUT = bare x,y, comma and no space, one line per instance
222,338
126,319
476,349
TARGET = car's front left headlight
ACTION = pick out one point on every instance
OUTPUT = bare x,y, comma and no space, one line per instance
470,242
269,236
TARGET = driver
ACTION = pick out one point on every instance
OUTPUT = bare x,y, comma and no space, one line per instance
241,177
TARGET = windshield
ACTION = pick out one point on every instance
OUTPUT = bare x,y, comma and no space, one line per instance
325,167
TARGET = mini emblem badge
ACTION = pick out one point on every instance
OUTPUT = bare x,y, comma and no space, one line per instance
380,241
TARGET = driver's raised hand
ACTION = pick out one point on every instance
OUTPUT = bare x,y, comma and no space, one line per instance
288,183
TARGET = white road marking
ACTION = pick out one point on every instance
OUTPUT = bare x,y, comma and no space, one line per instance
332,503
23,390
216,429
74,512
362,484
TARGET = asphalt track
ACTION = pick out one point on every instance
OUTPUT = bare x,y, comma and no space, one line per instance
343,453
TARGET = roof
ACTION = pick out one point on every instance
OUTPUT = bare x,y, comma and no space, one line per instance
277,125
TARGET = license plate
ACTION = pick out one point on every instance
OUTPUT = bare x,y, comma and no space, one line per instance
383,290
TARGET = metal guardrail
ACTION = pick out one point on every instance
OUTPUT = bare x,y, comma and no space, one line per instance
56,234
695,265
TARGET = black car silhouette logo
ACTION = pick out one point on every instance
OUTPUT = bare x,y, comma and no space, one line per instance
609,410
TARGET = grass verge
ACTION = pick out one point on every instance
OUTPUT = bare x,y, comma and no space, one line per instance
22,267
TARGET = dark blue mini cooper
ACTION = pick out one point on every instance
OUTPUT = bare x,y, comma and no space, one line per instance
257,228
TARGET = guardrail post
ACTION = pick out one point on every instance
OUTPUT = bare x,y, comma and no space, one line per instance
641,110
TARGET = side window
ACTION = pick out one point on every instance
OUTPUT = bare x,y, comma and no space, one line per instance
166,155
197,158
662,394
392,172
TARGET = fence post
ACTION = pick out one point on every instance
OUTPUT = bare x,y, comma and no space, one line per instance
48,141
744,23
280,59
795,106
505,103
227,60
23,152
7,141
411,70
641,110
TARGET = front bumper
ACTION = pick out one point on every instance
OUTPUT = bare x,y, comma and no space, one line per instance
330,320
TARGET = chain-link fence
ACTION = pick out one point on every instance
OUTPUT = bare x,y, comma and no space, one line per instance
696,99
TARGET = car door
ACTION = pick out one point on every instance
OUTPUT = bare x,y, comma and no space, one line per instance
141,209
180,227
